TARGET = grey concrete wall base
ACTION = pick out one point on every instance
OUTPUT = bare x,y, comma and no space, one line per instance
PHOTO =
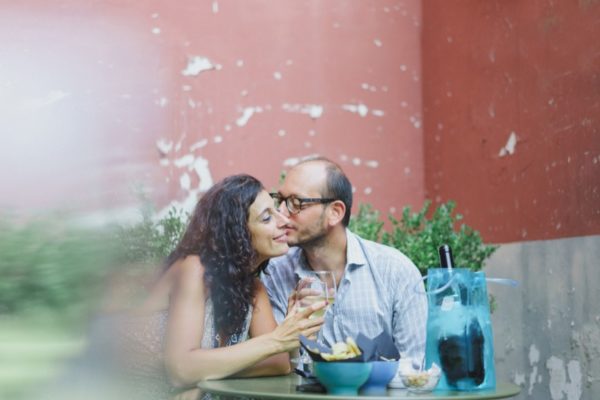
547,331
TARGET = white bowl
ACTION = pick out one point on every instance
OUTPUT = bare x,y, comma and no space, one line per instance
420,382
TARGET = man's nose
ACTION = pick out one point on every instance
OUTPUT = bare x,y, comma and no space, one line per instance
282,220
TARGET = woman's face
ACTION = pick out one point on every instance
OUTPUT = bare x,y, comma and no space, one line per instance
266,226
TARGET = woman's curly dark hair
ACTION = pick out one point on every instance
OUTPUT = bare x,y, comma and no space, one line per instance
218,233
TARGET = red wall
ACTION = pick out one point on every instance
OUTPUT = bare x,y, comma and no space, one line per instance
129,114
492,69
413,101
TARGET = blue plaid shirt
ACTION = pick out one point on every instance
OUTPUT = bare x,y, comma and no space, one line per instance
381,290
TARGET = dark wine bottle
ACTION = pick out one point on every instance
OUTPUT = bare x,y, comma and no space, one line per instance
446,259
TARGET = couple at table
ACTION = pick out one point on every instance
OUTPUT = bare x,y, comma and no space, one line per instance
224,305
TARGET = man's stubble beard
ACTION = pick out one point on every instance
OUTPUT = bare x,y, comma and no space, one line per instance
318,239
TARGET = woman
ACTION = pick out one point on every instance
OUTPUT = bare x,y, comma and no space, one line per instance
209,314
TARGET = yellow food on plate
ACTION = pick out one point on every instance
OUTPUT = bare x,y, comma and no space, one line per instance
417,380
353,346
342,351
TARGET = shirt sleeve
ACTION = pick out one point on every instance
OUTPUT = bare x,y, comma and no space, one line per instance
409,319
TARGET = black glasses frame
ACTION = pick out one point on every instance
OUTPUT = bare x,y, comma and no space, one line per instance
302,202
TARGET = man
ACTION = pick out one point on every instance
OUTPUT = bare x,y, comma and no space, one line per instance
378,287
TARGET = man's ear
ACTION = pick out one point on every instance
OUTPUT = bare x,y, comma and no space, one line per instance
337,210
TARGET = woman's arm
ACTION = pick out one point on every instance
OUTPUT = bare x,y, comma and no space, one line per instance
187,363
263,322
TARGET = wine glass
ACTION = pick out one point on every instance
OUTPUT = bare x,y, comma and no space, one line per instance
318,286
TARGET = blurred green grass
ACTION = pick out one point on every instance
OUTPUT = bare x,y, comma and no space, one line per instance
34,350
52,275
55,277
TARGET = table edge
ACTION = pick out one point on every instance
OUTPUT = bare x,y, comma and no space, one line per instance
509,390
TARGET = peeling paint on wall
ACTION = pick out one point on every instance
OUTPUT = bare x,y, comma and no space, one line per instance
559,385
359,109
164,147
509,147
247,113
362,110
534,358
199,64
199,166
491,111
199,145
519,379
184,161
185,182
313,110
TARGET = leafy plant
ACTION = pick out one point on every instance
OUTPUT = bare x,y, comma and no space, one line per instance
151,240
418,236
51,264
47,263
366,223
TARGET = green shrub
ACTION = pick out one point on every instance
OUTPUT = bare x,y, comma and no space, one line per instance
366,223
52,264
419,237
150,241
49,264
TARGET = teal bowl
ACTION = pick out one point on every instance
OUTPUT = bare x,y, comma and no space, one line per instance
342,378
381,374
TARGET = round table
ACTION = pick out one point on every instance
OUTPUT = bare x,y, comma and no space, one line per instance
284,387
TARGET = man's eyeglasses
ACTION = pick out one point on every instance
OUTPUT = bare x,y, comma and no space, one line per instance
295,204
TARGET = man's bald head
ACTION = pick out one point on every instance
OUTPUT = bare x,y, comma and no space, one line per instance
336,184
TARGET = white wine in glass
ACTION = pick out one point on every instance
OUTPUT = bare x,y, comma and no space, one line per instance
320,286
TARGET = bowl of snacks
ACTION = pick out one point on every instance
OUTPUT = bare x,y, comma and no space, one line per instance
420,381
340,369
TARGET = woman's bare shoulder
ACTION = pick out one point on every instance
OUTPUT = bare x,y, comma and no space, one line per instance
189,266
184,274
188,272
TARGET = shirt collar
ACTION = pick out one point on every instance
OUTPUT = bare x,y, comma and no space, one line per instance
355,256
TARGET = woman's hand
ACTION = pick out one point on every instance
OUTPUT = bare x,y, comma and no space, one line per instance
297,323
291,305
